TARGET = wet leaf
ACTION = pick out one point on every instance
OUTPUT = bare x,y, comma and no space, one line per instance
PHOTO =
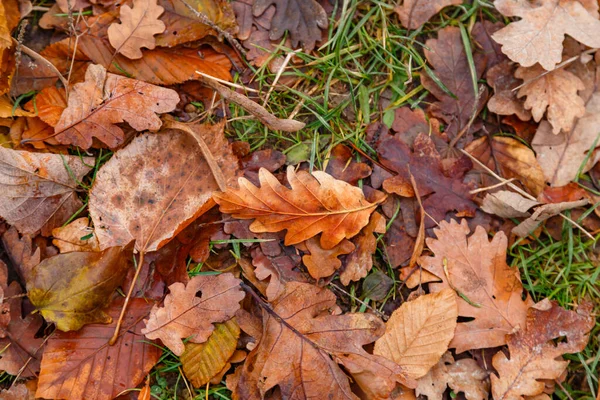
191,310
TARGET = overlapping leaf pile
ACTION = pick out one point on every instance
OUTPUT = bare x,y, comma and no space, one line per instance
136,235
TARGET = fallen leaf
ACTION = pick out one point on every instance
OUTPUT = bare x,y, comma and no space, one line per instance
534,356
37,134
39,189
201,362
414,13
278,270
505,101
316,203
538,36
447,56
21,252
511,158
507,204
20,391
554,92
360,260
418,333
478,271
76,236
309,19
321,262
464,375
21,348
137,28
72,289
103,100
561,194
442,194
561,156
9,19
8,109
482,36
341,166
190,310
376,286
50,104
295,351
151,199
82,365
544,212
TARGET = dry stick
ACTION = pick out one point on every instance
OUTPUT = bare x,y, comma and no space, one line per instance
278,75
224,82
41,59
271,121
522,192
140,264
497,185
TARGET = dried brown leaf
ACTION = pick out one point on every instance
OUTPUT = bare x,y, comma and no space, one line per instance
538,36
505,101
76,236
418,333
321,262
137,28
543,213
341,166
39,189
315,204
190,310
414,13
507,204
477,269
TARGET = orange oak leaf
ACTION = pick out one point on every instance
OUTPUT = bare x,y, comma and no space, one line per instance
300,350
554,91
81,365
76,236
137,28
321,262
150,199
191,310
104,100
418,333
38,189
538,36
316,203
414,13
534,354
477,269
50,104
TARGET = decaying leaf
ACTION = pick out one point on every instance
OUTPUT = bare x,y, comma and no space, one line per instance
321,262
151,199
72,289
418,333
38,189
544,212
341,166
82,365
103,100
201,362
507,204
538,36
561,156
137,28
277,269
295,352
554,91
490,291
190,310
511,158
534,356
304,19
448,57
462,376
76,236
414,13
316,203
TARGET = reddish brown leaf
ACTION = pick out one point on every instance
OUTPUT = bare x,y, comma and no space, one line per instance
341,166
82,365
279,270
414,13
570,192
295,352
504,101
190,310
320,262
315,203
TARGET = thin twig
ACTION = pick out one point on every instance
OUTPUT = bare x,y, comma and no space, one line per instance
278,75
41,59
224,82
497,185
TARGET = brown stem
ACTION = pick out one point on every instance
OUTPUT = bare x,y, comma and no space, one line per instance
115,336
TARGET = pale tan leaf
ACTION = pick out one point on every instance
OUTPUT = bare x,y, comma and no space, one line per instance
104,100
316,203
414,13
544,212
38,190
538,36
190,310
507,204
137,28
418,333
76,236
554,92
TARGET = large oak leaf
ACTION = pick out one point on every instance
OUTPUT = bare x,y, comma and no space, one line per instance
300,350
104,100
316,203
72,289
477,269
152,189
38,190
191,310
82,365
